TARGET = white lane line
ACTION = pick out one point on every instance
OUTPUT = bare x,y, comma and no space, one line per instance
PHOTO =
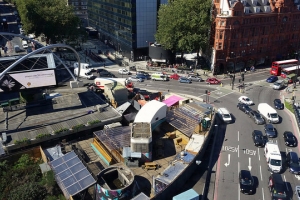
238,151
238,135
285,183
258,154
263,193
239,192
260,173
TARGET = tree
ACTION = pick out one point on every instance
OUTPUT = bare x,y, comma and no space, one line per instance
54,18
183,25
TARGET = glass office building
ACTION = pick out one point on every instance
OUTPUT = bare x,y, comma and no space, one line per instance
126,25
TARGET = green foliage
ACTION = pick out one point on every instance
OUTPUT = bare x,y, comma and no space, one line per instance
24,161
289,106
53,18
60,130
23,180
43,135
94,122
183,25
22,141
77,127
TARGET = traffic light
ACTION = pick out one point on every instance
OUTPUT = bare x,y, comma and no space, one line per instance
239,80
243,77
233,78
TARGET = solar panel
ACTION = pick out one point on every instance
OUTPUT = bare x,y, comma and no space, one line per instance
71,174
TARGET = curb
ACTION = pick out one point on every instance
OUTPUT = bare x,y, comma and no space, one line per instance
293,116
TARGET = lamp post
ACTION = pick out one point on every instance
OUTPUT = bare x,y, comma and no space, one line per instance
234,64
297,57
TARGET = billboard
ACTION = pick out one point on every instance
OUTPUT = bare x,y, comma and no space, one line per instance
25,80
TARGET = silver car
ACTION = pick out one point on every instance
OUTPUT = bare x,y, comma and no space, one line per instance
135,79
195,78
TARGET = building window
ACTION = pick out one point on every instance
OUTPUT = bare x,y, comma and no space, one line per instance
221,35
232,45
219,45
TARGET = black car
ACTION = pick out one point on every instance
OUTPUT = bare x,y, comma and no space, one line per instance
101,71
278,104
277,187
106,74
243,107
257,118
270,131
258,138
289,139
246,182
292,161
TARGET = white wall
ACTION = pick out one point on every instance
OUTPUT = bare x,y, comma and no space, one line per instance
146,17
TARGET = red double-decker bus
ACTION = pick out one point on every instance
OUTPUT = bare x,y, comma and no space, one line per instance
288,71
277,66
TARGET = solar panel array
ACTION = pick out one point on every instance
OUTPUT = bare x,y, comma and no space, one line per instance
184,119
71,175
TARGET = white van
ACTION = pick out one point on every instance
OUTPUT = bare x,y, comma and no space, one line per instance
273,157
24,44
159,77
224,115
268,112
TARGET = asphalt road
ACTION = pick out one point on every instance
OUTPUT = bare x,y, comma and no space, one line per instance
238,151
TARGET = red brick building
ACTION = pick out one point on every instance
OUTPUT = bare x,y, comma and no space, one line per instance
252,32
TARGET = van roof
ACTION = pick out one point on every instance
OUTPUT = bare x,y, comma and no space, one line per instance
266,106
224,110
273,149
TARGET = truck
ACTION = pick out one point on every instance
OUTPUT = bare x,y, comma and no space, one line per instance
101,82
85,71
273,157
268,112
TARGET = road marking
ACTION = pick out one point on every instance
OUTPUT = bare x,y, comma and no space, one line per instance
238,151
297,177
263,195
285,183
230,148
238,135
228,163
239,192
258,154
260,173
249,166
249,152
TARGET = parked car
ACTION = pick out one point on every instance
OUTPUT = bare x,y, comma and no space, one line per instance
124,71
292,162
143,73
212,81
101,70
270,131
174,76
246,182
132,68
289,139
278,84
135,79
272,79
245,100
257,118
245,108
278,104
184,80
258,138
24,44
195,78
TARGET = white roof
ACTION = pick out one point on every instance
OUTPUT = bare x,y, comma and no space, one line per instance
195,143
150,110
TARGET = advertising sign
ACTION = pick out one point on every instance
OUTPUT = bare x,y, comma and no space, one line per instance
26,80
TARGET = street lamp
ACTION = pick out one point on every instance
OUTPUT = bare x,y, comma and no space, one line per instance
297,57
234,64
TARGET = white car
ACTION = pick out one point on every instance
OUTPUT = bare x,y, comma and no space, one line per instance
245,100
124,71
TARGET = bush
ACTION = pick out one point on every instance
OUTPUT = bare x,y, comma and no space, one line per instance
77,127
43,135
22,141
94,122
60,130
